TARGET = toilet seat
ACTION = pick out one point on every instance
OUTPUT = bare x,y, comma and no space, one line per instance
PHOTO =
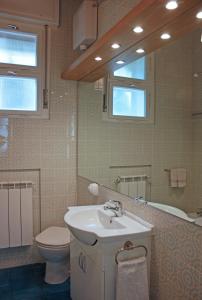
54,237
52,247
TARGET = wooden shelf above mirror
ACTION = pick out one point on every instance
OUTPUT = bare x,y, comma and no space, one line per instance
154,18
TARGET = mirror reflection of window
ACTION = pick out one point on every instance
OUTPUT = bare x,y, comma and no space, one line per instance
135,70
131,91
129,102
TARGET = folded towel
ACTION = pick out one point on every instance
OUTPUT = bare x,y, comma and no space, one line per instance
173,178
182,177
132,281
178,177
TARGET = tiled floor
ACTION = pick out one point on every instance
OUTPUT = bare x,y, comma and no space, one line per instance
26,283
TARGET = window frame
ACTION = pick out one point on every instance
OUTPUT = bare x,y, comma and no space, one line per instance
38,72
147,85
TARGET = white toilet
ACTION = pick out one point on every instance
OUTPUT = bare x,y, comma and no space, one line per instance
53,245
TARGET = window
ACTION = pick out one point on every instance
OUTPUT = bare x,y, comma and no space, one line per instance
131,91
129,102
18,48
22,70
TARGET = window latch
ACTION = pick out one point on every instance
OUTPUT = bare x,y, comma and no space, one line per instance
13,73
11,26
45,99
104,105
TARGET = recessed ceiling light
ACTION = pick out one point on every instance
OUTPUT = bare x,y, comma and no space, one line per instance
98,58
171,5
140,50
199,15
165,36
120,62
138,29
115,46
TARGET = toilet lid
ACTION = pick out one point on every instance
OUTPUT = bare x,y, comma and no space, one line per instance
54,236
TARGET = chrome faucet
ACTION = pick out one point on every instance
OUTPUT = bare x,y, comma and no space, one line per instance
115,206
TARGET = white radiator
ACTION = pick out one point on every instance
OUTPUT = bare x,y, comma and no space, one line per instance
16,216
133,186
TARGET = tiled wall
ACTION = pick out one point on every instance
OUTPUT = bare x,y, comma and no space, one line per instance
48,145
165,144
197,120
176,261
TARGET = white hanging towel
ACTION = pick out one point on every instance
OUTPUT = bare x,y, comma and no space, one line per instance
182,177
173,178
132,281
178,177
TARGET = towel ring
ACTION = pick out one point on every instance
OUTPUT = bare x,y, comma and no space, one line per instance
127,247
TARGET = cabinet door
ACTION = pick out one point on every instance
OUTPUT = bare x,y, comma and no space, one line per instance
45,12
87,280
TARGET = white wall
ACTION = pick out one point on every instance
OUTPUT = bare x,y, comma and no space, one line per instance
197,121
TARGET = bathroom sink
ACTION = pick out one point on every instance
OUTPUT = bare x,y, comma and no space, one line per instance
92,223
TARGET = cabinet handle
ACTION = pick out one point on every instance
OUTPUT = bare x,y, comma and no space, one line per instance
80,260
84,267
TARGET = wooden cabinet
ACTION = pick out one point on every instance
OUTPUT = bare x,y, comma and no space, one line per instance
44,12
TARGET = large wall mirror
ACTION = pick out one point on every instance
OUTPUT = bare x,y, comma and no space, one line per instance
140,132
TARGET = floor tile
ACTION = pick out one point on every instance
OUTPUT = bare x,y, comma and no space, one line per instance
27,283
5,293
57,296
26,277
4,277
55,288
27,295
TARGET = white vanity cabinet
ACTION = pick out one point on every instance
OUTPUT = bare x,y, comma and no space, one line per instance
87,277
93,268
96,238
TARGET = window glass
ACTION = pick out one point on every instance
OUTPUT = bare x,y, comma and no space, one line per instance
18,48
130,102
134,70
18,93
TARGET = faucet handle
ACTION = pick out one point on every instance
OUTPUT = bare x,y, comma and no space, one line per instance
115,204
118,204
111,203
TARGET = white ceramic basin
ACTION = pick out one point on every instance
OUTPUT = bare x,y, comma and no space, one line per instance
91,223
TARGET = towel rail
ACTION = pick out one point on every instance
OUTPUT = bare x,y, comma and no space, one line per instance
127,247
